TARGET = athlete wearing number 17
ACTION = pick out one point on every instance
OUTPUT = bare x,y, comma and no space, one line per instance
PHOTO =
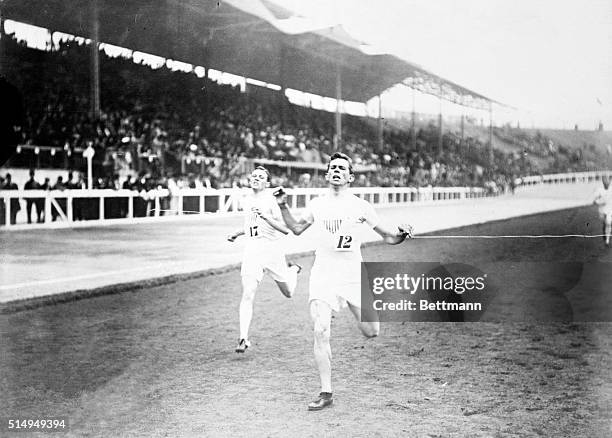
263,227
338,219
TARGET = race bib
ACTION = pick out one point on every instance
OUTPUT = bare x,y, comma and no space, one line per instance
344,243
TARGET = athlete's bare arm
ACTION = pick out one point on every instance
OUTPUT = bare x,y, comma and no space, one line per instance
277,225
598,199
394,237
235,235
297,227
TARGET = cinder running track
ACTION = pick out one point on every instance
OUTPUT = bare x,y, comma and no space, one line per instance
159,361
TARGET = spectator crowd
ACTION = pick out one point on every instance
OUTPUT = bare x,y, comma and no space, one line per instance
159,128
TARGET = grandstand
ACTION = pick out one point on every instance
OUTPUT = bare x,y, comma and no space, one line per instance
166,123
159,123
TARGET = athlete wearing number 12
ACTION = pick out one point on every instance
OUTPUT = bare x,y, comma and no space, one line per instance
338,219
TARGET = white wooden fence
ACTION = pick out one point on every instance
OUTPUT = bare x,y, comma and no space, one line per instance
565,178
69,208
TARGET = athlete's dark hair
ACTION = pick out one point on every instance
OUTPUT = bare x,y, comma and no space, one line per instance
342,156
264,169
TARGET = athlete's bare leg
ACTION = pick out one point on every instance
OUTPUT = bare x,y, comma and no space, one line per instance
321,312
288,288
369,329
249,286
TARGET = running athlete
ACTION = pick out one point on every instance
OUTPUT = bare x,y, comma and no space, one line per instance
603,199
263,226
339,219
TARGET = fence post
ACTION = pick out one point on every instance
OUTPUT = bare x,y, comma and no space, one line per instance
130,213
48,208
101,207
7,211
69,207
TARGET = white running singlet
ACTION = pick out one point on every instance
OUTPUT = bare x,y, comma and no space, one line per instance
605,200
338,223
255,228
263,252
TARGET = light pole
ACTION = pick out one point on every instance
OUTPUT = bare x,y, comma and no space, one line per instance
89,154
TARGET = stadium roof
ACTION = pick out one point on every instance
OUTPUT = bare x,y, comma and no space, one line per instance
252,38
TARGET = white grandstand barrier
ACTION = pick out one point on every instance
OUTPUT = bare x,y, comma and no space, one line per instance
71,208
76,208
565,178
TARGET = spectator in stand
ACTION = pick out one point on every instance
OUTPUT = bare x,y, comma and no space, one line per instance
129,183
159,113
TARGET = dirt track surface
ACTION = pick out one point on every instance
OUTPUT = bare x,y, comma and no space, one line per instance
160,362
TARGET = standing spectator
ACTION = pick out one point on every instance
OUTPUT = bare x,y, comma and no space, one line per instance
69,181
77,203
140,202
113,205
15,206
40,205
174,190
32,184
128,184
